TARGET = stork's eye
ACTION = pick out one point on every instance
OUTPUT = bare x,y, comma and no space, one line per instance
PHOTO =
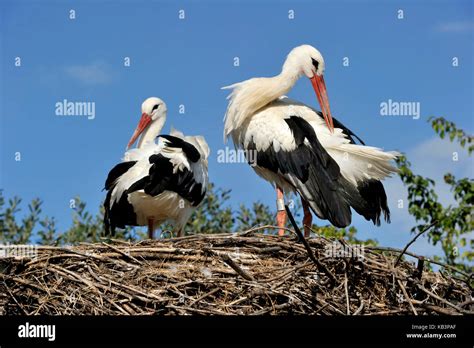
315,63
155,107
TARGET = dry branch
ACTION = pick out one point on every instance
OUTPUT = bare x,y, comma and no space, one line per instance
246,273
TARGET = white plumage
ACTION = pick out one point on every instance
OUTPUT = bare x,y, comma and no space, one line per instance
299,149
267,127
157,181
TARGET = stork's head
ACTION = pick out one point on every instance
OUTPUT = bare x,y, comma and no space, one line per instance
307,60
153,109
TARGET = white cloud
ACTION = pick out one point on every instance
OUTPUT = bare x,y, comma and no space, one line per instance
436,157
90,74
456,27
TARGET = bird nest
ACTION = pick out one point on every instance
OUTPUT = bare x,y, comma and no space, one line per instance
246,273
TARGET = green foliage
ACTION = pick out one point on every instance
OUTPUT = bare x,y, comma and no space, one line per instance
47,232
348,234
84,225
87,227
10,230
214,215
258,215
444,127
455,221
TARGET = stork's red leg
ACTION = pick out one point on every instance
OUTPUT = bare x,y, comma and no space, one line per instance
308,218
150,228
281,213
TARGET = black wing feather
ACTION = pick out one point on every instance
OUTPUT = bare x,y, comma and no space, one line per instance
311,170
117,172
122,212
189,149
161,178
317,178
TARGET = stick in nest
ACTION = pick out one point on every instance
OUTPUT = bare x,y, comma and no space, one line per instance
308,248
413,241
169,280
226,258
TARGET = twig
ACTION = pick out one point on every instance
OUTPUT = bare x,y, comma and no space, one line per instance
466,303
459,309
226,258
127,256
413,240
361,307
204,296
273,308
321,308
396,250
199,311
407,297
254,229
347,294
16,301
308,248
193,276
419,268
439,310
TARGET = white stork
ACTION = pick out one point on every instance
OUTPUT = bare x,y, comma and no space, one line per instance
300,149
157,181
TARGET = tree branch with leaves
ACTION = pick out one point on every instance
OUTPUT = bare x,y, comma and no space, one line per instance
454,222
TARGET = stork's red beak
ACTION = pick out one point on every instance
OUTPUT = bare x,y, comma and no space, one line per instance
144,122
320,88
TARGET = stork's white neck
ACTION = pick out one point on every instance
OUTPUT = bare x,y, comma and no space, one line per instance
151,132
249,96
287,78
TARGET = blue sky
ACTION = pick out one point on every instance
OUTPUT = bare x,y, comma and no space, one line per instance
187,61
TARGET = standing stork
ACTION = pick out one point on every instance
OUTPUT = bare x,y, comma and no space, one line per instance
157,181
300,149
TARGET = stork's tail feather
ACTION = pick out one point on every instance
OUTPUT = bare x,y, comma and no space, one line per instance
370,200
327,202
362,175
